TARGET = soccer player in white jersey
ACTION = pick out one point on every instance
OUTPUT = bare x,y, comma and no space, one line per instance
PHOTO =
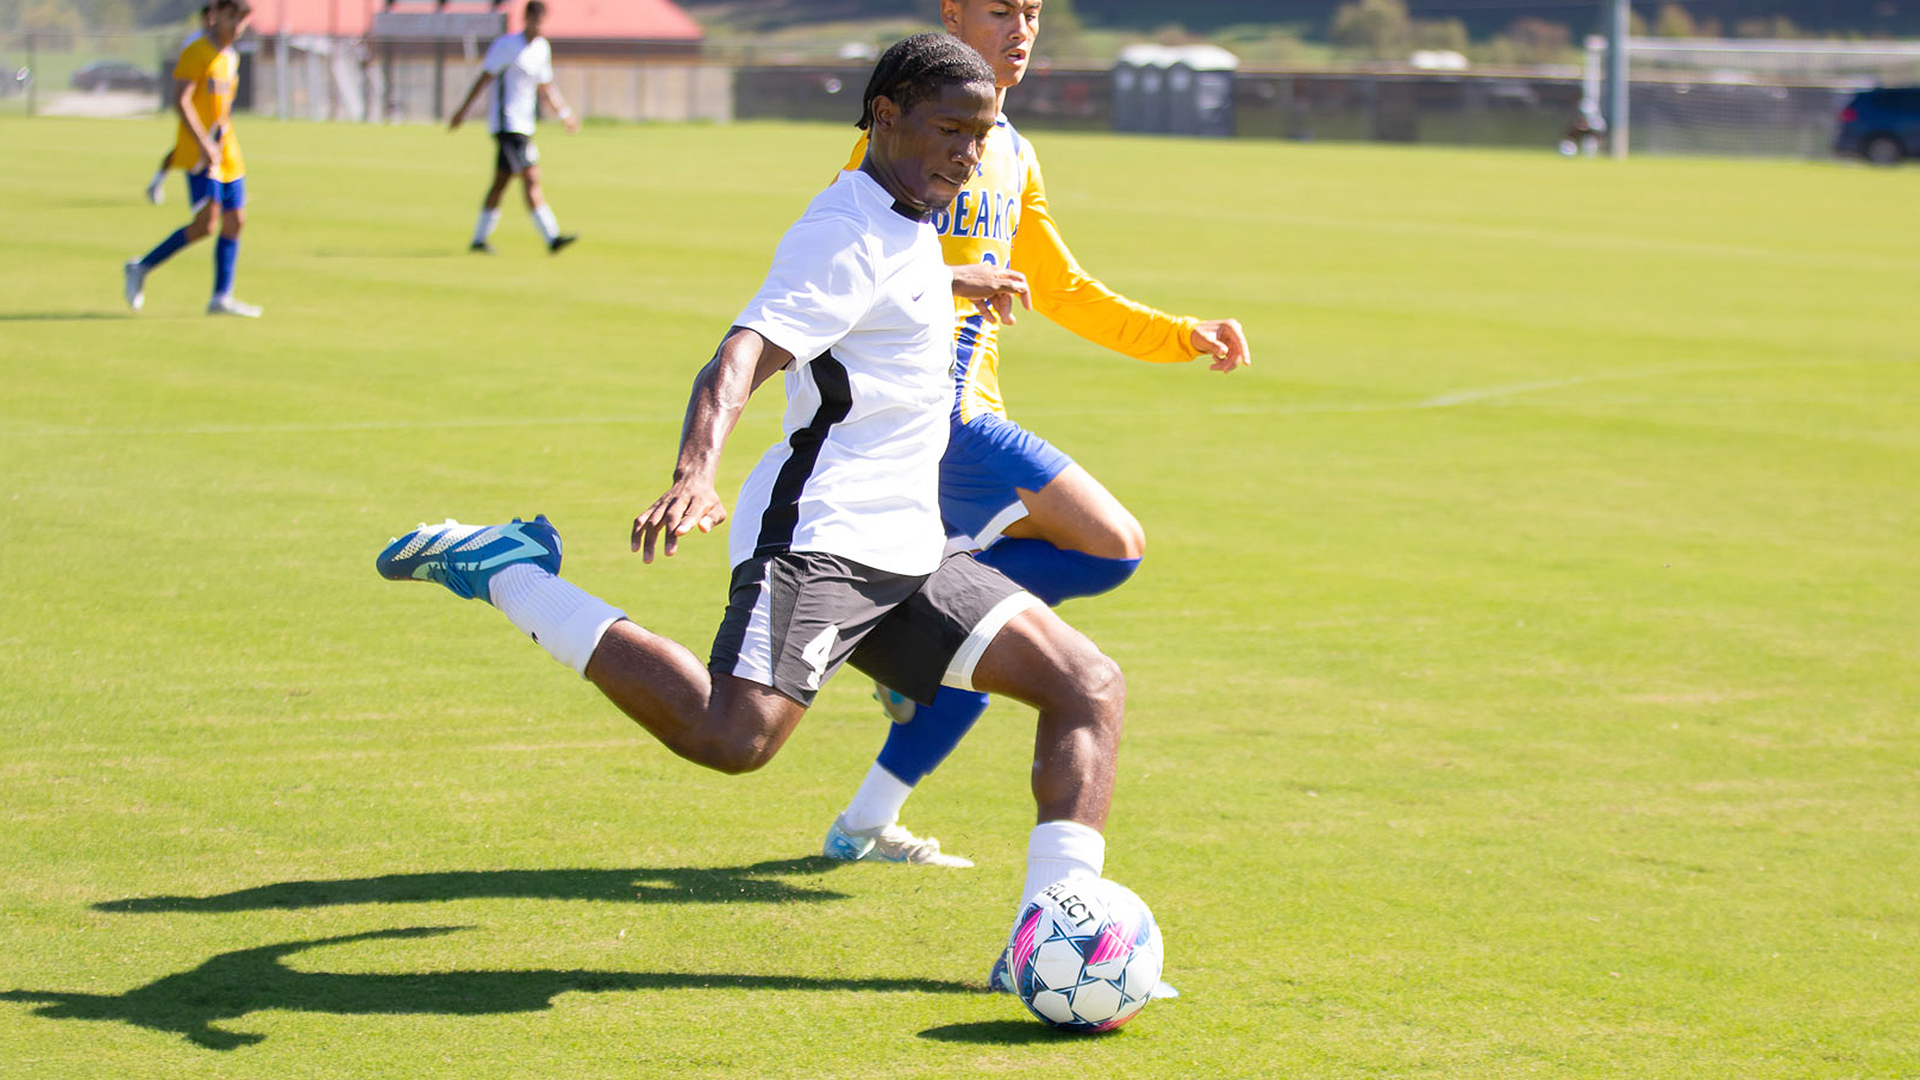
518,67
157,187
837,544
1029,509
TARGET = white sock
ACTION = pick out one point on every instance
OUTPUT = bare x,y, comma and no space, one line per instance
877,804
1061,849
483,229
544,220
159,178
561,618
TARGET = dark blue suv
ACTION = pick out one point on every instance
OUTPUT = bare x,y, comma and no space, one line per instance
1881,125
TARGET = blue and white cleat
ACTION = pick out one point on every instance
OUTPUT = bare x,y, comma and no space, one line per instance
889,843
464,558
1000,976
1000,979
898,707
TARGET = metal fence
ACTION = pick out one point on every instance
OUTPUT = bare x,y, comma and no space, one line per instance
343,79
70,73
315,77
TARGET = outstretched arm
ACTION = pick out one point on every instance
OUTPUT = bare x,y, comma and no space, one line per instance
743,361
1076,300
473,94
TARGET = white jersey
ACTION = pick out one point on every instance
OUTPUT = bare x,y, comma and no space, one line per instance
861,297
519,67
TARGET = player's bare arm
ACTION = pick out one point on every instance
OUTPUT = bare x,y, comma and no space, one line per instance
558,105
743,361
473,94
183,104
1223,340
992,289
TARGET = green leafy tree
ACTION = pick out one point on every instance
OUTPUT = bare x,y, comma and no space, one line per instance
1676,21
1531,41
1380,28
1774,26
1448,34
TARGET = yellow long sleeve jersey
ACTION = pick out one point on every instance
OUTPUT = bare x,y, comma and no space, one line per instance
215,75
1001,218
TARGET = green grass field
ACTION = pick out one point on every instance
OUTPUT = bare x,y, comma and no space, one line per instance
1522,675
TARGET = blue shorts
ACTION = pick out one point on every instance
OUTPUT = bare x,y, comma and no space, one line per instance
227,194
987,462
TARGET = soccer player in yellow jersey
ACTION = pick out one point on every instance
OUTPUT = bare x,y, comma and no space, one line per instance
1025,506
156,187
204,81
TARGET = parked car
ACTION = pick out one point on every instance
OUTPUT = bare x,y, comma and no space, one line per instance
1881,125
114,75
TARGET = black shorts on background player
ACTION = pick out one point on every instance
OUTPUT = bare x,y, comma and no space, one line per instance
514,153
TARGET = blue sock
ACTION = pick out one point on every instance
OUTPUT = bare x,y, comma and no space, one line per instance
917,747
1053,574
165,249
226,252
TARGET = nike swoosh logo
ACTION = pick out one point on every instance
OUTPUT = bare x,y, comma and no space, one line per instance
918,295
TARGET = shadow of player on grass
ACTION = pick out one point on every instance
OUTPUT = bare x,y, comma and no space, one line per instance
234,984
760,883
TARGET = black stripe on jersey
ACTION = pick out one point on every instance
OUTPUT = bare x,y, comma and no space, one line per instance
782,515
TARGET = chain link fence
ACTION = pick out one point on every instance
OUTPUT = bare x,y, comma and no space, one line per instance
75,73
316,77
351,80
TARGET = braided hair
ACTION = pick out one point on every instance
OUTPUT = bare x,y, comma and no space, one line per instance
916,68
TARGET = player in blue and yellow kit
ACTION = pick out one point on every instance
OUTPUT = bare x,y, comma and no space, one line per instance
204,80
1025,506
156,187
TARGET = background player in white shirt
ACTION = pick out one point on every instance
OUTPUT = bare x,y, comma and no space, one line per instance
838,545
518,67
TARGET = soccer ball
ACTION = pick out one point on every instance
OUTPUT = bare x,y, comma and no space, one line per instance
1085,954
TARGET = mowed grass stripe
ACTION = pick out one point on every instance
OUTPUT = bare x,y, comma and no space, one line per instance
1521,676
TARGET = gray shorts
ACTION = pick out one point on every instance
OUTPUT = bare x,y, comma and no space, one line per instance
794,617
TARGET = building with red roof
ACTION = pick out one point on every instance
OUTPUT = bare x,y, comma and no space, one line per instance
590,23
414,59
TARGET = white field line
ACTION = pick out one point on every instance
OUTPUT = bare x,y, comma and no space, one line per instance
1448,400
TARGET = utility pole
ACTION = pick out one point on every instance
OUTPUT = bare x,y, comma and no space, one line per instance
1617,27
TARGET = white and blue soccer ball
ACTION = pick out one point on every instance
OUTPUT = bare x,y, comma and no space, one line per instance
1085,954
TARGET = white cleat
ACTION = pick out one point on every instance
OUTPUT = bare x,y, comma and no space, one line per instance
227,305
889,843
136,284
157,191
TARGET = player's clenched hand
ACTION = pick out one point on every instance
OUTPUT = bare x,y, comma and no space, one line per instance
685,507
992,289
1223,340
